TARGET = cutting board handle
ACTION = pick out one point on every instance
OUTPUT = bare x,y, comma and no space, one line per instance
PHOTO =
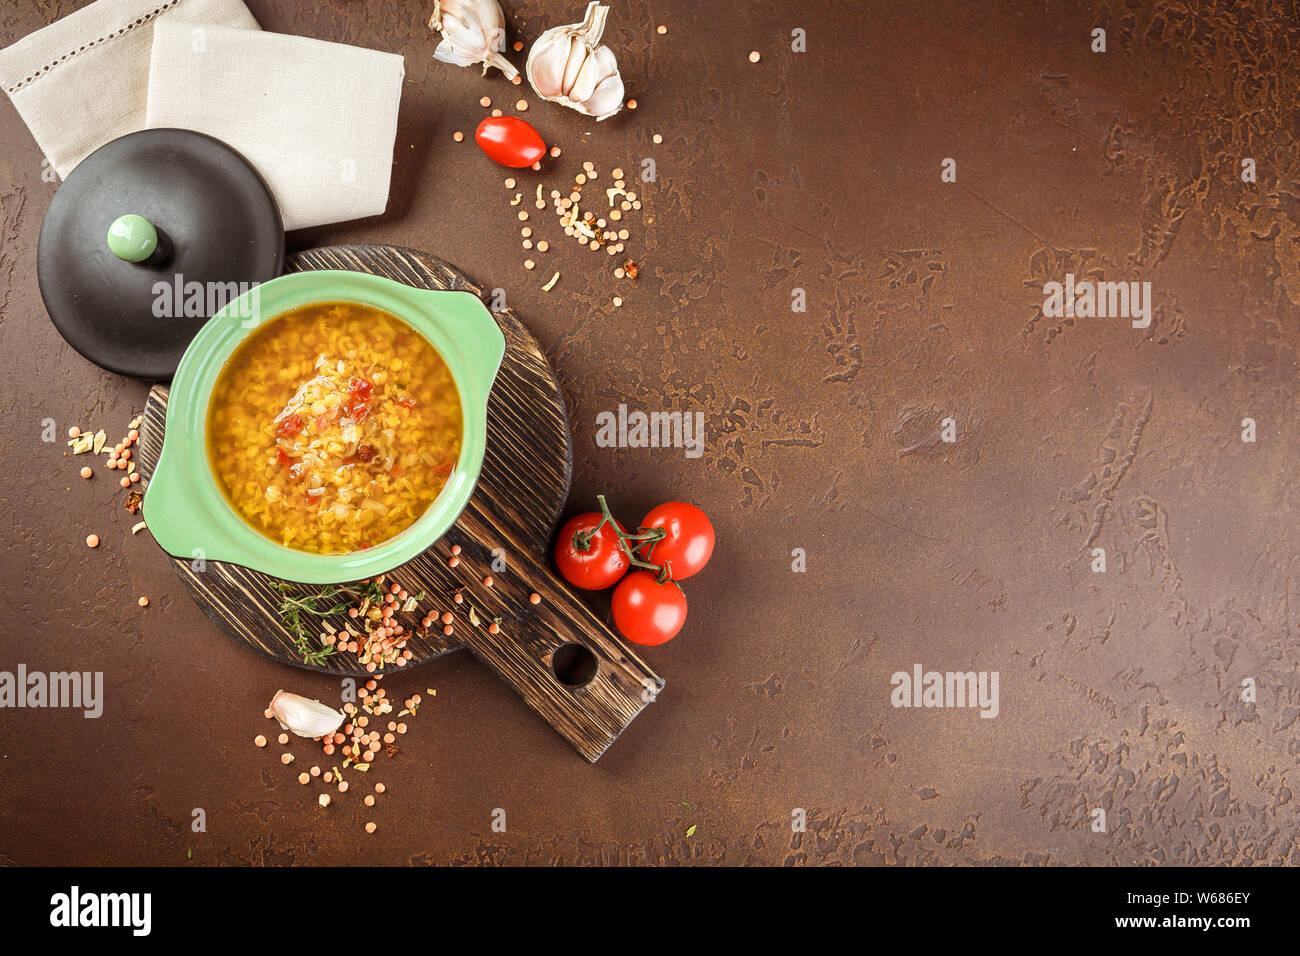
556,654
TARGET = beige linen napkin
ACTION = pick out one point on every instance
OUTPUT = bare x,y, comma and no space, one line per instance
81,81
317,119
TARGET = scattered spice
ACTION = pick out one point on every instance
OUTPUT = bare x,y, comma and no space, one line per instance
92,541
754,57
118,457
458,136
143,602
362,731
588,227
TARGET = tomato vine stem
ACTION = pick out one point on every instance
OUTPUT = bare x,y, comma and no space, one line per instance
631,544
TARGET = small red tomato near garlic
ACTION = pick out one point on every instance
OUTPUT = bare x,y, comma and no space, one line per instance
510,141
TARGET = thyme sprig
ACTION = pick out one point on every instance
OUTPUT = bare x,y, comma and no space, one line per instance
303,612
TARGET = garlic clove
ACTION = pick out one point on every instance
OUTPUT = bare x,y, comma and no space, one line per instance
573,65
473,31
304,717
547,71
588,78
607,99
568,64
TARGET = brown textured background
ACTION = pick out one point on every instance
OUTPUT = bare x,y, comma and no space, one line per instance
817,170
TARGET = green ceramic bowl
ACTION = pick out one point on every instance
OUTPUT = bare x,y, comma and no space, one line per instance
184,506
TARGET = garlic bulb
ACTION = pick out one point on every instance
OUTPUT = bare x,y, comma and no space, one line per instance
306,718
473,31
568,65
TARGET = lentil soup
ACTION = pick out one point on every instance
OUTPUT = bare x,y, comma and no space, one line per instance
333,427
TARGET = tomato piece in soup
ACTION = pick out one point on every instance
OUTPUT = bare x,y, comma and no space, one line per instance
289,425
358,404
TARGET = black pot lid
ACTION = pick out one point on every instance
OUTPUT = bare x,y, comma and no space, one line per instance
216,231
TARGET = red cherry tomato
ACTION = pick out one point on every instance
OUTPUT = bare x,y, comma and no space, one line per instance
646,611
510,141
590,561
688,544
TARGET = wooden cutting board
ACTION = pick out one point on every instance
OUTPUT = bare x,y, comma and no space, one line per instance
559,656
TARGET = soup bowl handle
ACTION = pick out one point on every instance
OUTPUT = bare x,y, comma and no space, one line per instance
179,520
484,346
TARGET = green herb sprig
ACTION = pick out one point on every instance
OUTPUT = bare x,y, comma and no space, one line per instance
303,612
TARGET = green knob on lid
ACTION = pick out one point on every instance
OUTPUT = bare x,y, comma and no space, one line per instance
132,238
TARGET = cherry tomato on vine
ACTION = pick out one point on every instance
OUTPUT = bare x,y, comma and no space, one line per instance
688,543
510,141
589,559
646,611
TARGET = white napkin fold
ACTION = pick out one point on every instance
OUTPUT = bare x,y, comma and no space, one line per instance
82,80
316,119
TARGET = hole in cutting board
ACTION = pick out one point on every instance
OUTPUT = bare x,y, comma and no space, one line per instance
573,665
